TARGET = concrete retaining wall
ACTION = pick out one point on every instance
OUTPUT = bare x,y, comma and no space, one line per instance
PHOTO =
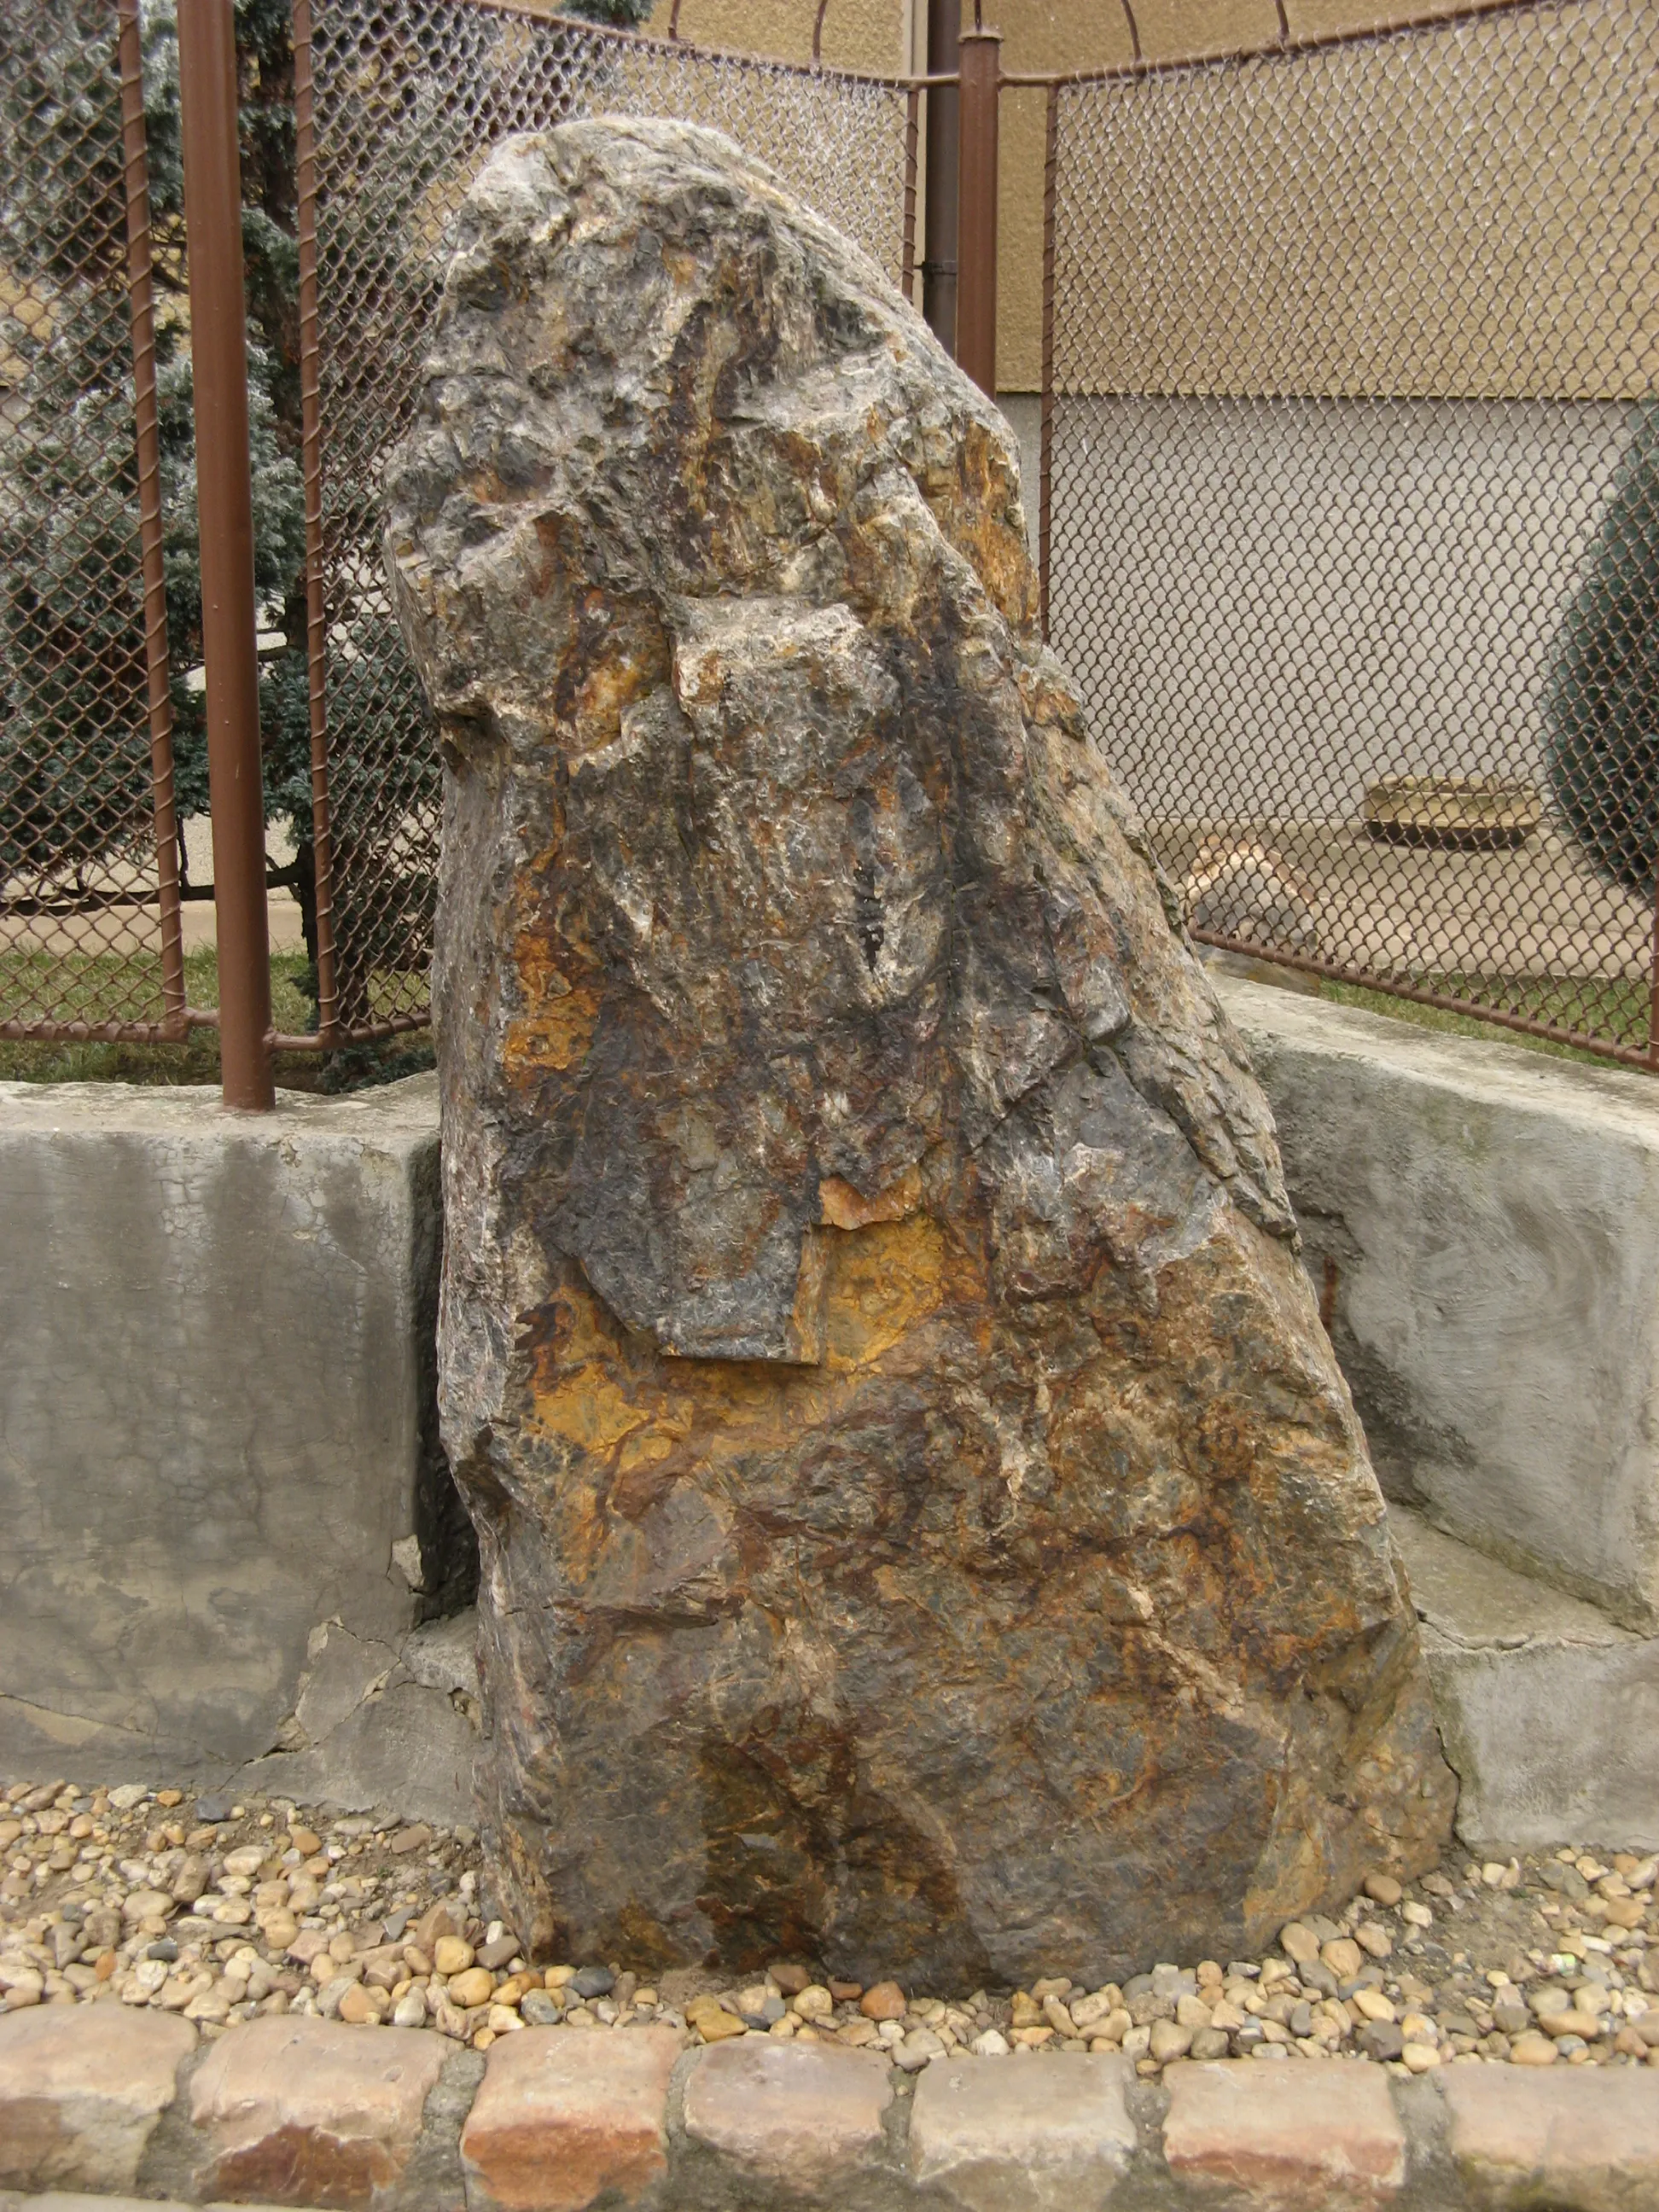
220,1489
1492,1216
230,1549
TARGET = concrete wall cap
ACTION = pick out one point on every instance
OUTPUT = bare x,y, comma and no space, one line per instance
394,1112
1613,1098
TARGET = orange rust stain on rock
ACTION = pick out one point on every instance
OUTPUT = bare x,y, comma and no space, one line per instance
555,1024
806,1316
972,513
586,1389
554,566
608,688
586,1407
556,1035
590,1389
841,1206
576,1358
884,1280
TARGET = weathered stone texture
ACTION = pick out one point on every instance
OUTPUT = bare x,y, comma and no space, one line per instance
563,2118
801,2113
922,1519
1586,2141
308,2112
1322,2138
81,2091
1051,2137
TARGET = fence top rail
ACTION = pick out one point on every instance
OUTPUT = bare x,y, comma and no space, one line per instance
527,11
1387,27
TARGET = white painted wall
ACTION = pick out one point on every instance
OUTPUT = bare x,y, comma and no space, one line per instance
1270,603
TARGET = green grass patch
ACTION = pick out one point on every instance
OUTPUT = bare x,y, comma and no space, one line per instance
1615,1006
100,986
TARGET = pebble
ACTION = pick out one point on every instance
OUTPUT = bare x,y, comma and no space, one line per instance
886,2001
1531,2050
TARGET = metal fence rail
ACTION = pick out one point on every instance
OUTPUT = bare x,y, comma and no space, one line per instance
399,103
1351,497
89,915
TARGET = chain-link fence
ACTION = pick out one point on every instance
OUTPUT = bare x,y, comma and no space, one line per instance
400,101
89,918
1351,472
1352,511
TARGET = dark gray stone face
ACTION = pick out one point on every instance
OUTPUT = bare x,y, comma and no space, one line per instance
923,1524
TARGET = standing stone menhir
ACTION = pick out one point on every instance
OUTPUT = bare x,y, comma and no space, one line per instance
923,1523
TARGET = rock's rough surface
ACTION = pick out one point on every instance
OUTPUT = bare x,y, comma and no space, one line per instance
922,1517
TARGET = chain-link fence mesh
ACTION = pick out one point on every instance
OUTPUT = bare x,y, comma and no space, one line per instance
1353,498
408,96
88,913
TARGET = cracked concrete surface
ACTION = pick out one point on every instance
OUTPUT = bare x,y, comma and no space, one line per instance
217,1424
373,1726
1486,1224
1490,1220
1549,1711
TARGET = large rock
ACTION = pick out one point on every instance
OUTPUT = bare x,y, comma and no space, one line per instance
923,1522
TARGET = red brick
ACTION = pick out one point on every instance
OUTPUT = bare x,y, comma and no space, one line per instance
794,2111
82,2087
1584,2139
562,2116
1310,2137
294,2110
1022,2135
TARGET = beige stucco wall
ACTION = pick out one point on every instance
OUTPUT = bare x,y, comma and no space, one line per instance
863,34
1467,352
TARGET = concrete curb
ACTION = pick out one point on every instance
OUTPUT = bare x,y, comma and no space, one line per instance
307,2112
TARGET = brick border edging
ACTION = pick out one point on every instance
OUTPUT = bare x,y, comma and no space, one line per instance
308,2112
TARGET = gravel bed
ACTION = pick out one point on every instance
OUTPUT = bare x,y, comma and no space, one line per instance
221,1910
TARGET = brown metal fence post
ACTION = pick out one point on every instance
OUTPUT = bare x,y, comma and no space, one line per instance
141,305
311,440
912,146
1045,465
213,219
976,208
939,264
